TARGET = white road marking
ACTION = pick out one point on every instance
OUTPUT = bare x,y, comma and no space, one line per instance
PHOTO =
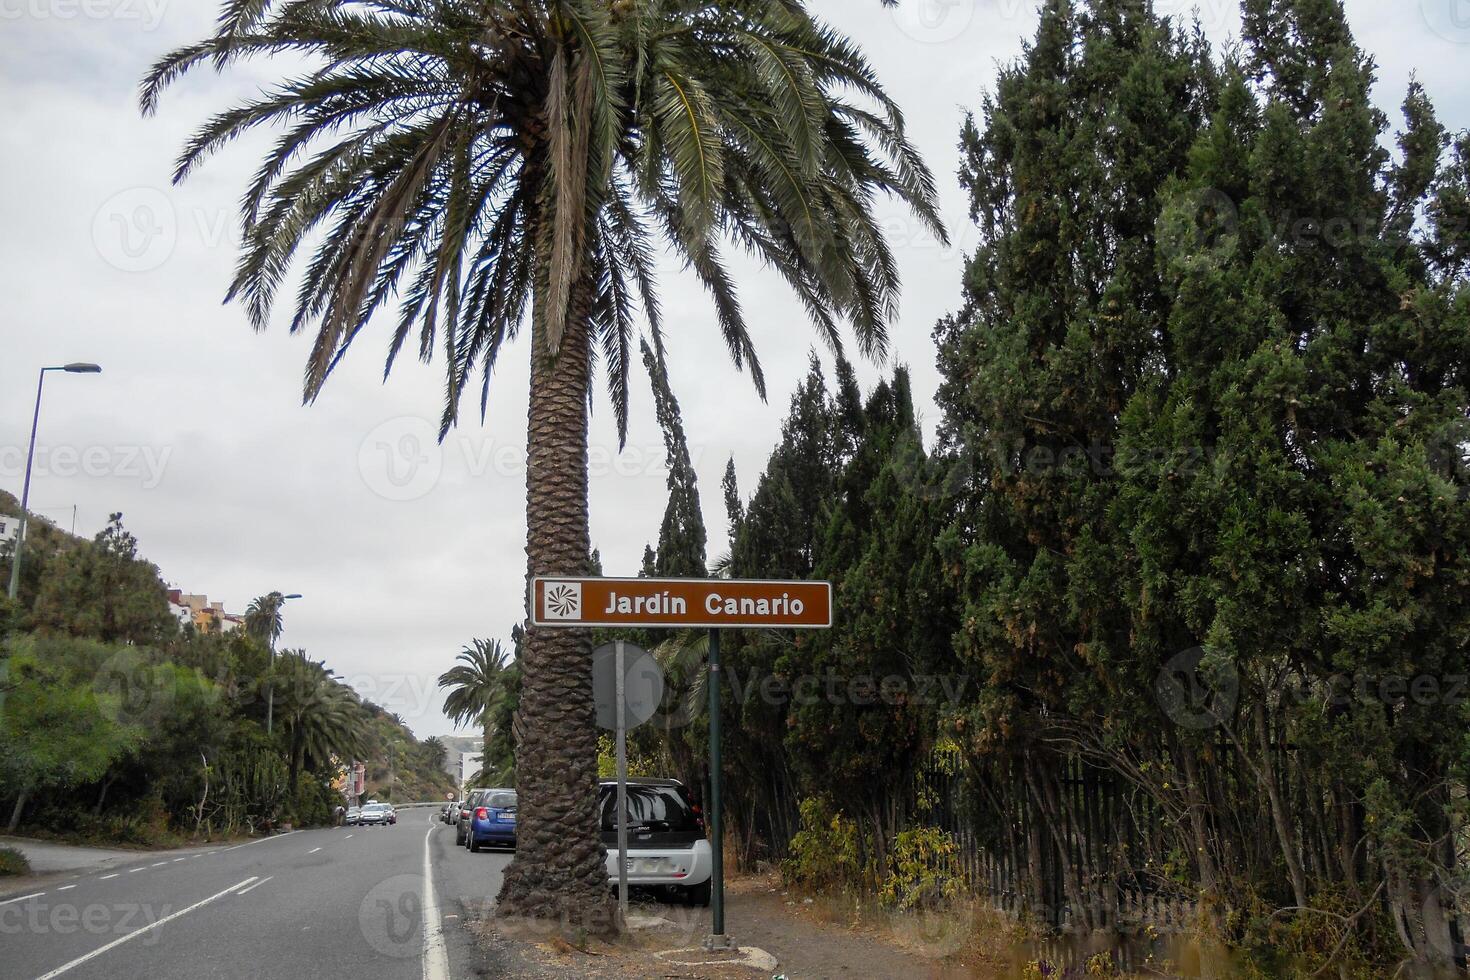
105,877
177,860
158,865
133,871
22,898
85,957
261,840
436,957
65,887
348,837
313,850
257,884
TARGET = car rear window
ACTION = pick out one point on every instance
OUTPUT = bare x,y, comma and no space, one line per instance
500,801
661,808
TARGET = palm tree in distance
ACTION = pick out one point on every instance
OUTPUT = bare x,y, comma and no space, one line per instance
467,160
475,684
263,618
322,717
435,752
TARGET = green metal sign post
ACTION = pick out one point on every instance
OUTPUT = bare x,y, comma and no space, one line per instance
717,937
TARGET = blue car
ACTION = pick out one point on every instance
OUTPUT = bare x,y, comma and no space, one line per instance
493,820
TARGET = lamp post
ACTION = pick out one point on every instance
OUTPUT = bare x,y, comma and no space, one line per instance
25,493
270,702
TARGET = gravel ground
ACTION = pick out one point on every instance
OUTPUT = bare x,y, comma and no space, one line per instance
757,914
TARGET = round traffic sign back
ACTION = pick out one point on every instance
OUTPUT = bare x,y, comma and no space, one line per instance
643,685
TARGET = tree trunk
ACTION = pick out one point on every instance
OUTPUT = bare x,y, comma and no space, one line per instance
558,871
1279,815
20,805
1208,879
102,795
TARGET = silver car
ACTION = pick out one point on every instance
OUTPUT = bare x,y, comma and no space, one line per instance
377,815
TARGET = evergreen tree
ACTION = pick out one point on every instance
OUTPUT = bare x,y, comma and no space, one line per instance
681,537
1209,390
104,590
877,700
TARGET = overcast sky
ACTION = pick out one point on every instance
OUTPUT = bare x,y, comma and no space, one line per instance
404,550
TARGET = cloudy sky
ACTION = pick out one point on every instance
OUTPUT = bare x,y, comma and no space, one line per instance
403,549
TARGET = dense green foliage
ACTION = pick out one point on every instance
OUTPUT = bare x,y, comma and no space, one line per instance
117,725
1184,580
1209,390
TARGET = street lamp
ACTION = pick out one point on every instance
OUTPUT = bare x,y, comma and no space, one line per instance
25,494
270,703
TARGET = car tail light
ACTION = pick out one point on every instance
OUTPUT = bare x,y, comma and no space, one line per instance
482,813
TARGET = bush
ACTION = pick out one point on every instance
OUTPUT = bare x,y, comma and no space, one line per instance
922,871
825,852
143,823
312,804
12,862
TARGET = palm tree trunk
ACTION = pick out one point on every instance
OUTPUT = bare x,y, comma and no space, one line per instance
558,872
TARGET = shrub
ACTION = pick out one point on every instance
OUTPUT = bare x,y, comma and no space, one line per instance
312,803
12,862
922,870
825,852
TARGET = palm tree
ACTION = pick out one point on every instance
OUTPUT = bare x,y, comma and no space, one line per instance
263,618
322,716
466,160
435,752
475,684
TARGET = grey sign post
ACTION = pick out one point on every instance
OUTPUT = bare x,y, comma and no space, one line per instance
621,701
628,687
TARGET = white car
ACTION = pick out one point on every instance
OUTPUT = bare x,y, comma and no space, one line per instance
667,848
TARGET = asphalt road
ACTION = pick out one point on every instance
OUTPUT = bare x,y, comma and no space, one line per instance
347,902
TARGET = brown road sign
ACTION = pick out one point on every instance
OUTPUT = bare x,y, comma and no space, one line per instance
712,603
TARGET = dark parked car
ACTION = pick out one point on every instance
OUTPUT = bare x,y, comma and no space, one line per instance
493,820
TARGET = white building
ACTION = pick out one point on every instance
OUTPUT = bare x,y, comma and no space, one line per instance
9,529
469,764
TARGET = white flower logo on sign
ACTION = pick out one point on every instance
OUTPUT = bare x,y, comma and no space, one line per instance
564,601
